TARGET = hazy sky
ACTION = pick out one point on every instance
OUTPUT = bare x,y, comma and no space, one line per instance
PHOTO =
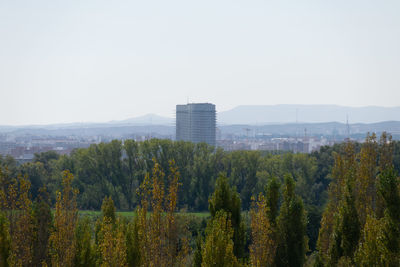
75,61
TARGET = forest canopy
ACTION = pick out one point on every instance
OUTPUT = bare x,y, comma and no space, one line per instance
331,207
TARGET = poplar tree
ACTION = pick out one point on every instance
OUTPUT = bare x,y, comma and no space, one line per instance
111,237
43,222
133,243
85,250
291,225
263,243
108,209
5,240
161,242
62,239
360,225
343,172
346,232
227,199
197,257
390,192
365,182
21,227
371,250
112,246
218,247
272,199
380,244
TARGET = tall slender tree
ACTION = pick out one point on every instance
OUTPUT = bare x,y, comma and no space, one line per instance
43,221
263,246
5,240
218,247
161,242
346,231
365,182
292,224
343,172
390,192
272,199
22,230
227,199
62,239
85,254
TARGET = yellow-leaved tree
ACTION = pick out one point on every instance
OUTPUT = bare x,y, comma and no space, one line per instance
17,222
360,225
62,239
158,235
111,237
365,184
218,247
113,246
263,246
344,170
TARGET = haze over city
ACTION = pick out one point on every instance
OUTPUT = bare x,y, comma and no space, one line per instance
97,61
225,133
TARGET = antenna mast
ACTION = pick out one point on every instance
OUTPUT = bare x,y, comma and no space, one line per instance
347,126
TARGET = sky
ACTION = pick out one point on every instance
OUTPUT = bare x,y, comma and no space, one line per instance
96,61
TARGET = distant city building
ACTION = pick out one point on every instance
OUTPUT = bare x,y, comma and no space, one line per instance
196,122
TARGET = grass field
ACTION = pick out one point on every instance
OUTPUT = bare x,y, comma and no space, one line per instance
131,214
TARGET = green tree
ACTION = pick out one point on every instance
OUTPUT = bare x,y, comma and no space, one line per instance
5,240
389,190
37,175
134,166
22,228
218,247
43,221
85,251
371,250
133,243
197,257
343,172
263,245
346,231
364,186
291,223
161,242
62,239
227,199
108,209
272,199
113,244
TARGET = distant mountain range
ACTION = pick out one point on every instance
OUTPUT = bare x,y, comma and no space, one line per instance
252,115
276,114
261,115
148,119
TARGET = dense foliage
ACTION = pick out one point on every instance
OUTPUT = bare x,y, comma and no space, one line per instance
361,223
117,169
265,209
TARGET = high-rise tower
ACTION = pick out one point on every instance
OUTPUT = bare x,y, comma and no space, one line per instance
196,122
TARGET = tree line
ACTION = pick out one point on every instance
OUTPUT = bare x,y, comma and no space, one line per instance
336,207
118,168
32,235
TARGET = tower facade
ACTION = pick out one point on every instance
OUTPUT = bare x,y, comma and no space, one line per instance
196,122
